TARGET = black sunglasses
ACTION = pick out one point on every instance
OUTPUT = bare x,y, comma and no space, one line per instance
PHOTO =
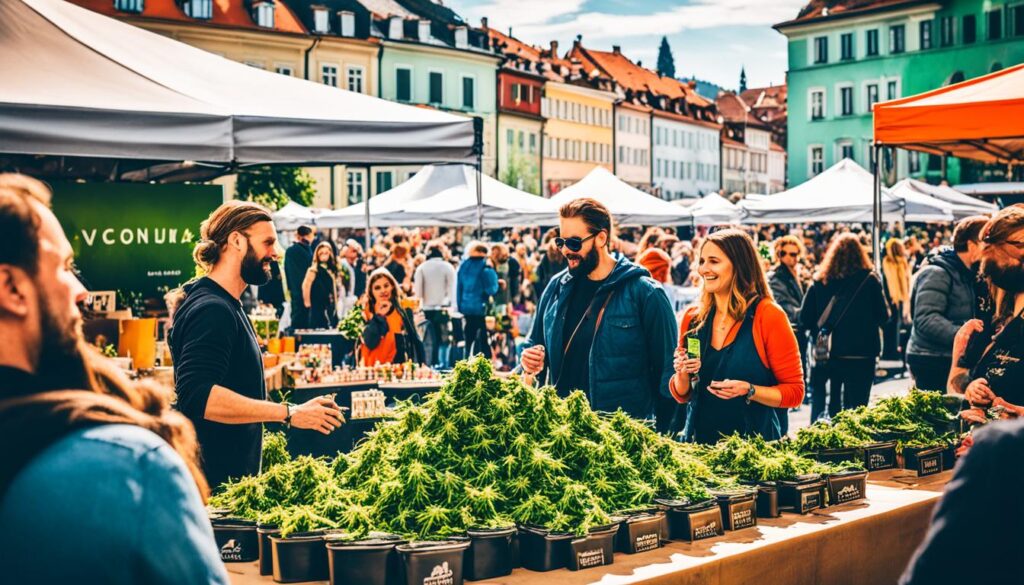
575,243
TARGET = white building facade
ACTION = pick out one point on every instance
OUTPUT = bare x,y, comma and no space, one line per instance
686,157
633,144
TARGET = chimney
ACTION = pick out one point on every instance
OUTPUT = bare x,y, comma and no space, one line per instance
639,63
554,49
483,22
423,31
348,23
692,84
395,28
461,37
616,49
577,42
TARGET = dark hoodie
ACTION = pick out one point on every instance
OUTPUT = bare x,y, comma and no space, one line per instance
212,342
943,299
631,355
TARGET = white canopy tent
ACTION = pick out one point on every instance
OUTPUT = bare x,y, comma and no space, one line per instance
77,83
292,215
842,193
961,205
627,204
713,209
446,195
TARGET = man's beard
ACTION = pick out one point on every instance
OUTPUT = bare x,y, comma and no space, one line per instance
61,364
253,269
1010,278
587,264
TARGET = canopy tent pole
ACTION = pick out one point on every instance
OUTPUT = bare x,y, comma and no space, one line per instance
479,196
876,224
366,211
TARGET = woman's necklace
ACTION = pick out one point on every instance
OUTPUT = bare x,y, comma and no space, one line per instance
724,323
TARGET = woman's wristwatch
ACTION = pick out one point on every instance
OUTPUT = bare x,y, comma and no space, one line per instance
750,393
287,415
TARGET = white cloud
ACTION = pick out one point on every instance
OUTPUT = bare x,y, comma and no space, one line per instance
514,13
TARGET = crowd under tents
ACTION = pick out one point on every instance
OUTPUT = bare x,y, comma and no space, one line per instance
960,205
713,209
80,84
627,204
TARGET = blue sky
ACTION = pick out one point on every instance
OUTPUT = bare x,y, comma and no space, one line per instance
710,39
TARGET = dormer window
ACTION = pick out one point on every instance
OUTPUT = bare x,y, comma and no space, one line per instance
348,23
424,31
321,24
395,28
461,37
129,5
263,13
200,9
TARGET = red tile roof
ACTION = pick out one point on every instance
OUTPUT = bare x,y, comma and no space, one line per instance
734,109
775,146
635,107
226,13
632,76
686,119
512,46
765,96
733,142
818,10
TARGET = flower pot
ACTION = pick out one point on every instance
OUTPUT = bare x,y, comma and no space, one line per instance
880,456
692,522
516,559
593,550
236,539
543,550
802,495
266,549
300,557
923,460
366,562
739,508
838,455
432,563
640,532
846,486
489,554
768,500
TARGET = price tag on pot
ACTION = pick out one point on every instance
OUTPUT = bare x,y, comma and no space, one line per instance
693,347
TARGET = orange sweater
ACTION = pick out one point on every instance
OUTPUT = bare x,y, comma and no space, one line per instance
776,345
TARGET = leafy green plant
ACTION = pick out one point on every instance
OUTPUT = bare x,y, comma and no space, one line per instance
352,324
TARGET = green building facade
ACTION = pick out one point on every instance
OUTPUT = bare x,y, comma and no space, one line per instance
842,60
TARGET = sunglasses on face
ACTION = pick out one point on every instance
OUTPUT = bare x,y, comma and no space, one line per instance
575,243
790,254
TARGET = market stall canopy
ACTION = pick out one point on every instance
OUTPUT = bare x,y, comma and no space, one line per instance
961,205
843,193
627,204
919,206
445,195
981,119
713,209
292,215
77,83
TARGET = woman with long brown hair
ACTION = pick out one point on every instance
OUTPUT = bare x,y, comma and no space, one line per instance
390,334
320,288
737,360
845,303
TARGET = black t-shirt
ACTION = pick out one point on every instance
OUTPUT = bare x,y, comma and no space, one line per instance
1003,364
575,370
212,342
397,269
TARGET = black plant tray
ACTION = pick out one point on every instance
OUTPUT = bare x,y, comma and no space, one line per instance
300,557
847,486
802,495
236,539
596,549
880,456
739,508
696,521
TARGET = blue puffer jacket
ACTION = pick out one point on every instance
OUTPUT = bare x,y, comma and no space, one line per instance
475,282
631,359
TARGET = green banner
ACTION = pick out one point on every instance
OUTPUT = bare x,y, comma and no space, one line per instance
134,236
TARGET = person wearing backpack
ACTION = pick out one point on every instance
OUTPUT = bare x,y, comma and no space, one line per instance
844,309
476,282
943,298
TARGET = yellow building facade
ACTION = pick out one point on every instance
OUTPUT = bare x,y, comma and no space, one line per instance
577,134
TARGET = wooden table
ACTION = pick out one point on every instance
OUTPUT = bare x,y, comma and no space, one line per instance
867,542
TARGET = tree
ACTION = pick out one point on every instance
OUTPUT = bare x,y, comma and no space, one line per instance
275,185
666,64
743,79
521,173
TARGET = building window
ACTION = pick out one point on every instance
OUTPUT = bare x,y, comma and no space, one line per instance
872,42
872,95
468,93
128,5
284,70
1017,14
355,79
510,136
533,143
321,24
329,75
970,24
356,185
821,50
436,88
384,181
817,160
254,64
897,38
892,89
264,14
947,32
202,9
846,101
914,160
926,34
846,46
522,140
403,84
817,105
995,24
845,150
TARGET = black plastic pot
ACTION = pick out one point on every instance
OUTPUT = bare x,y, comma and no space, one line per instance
489,554
516,560
838,455
236,539
879,456
768,500
847,486
923,460
949,457
542,550
739,508
300,557
692,522
364,562
640,532
265,548
802,494
596,549
432,563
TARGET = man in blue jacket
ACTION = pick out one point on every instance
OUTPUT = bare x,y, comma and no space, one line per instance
603,326
475,283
